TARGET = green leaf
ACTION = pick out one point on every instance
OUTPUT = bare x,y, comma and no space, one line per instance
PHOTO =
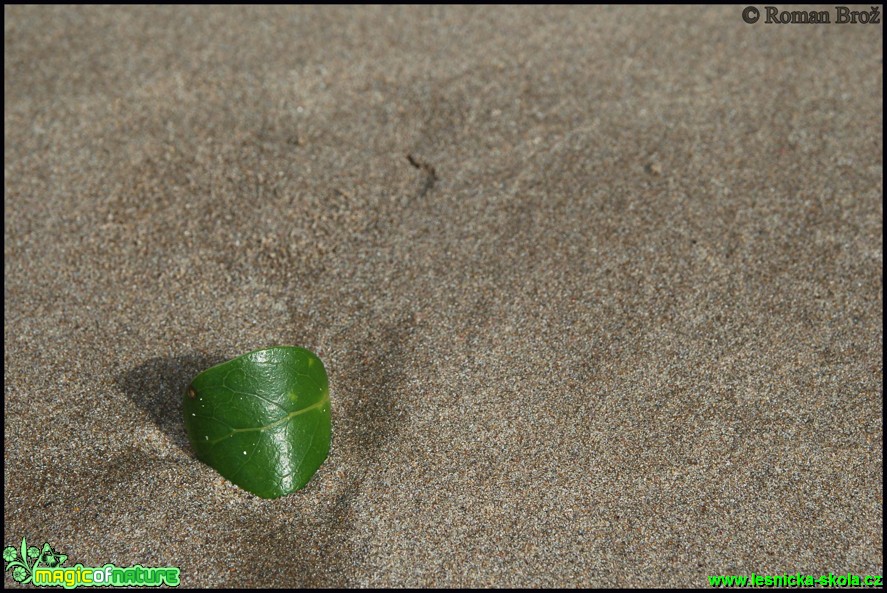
262,420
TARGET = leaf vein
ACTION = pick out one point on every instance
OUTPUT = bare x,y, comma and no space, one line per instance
317,405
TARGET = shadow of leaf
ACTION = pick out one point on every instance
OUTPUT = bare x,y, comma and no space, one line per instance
157,386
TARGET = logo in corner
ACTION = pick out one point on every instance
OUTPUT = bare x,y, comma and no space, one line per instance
26,559
44,567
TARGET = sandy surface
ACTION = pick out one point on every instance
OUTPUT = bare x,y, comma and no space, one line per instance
628,333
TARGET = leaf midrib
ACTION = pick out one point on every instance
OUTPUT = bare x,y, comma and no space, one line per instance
318,404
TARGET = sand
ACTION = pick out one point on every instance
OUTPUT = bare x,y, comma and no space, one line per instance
599,290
